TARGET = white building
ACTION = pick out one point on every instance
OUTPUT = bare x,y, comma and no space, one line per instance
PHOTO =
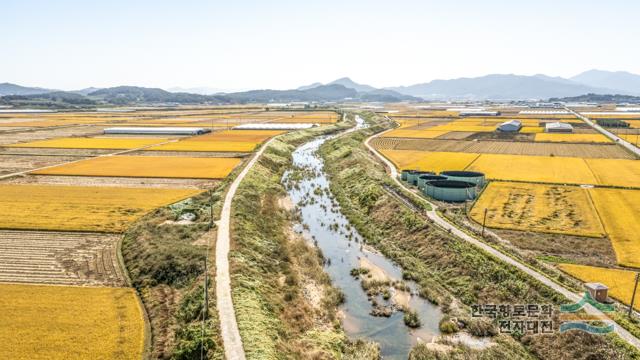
510,126
558,127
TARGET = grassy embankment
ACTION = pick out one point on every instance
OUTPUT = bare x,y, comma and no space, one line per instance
165,261
275,274
451,272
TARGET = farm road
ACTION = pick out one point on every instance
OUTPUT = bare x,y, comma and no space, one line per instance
618,140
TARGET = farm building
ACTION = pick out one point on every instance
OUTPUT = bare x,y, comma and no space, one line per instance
510,126
597,291
275,126
558,127
479,113
156,130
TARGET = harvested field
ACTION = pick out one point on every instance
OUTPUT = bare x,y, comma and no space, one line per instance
619,209
609,151
405,133
572,138
68,322
502,136
158,183
620,282
456,135
204,146
91,143
55,152
79,208
16,163
254,136
66,258
616,172
429,161
12,137
148,166
540,208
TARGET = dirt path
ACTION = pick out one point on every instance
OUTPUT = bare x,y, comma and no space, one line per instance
437,219
231,339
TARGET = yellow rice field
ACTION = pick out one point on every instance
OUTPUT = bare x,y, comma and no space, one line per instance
620,282
564,170
80,208
539,208
147,166
90,143
419,134
632,138
64,322
429,161
213,146
619,211
526,168
576,138
616,172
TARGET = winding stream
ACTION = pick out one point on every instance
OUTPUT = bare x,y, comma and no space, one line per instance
323,224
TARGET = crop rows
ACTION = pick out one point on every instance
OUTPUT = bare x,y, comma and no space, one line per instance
505,147
59,258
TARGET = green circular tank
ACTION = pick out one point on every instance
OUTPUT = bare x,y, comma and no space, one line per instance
450,190
467,176
424,179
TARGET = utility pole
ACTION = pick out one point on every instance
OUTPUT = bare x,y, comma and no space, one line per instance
484,221
633,296
206,292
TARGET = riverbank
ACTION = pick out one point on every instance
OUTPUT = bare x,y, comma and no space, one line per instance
285,305
450,272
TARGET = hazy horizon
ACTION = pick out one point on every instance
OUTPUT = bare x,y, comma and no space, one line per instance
71,45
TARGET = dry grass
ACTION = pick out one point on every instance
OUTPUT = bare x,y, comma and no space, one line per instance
148,166
575,138
54,322
620,282
619,211
536,207
79,208
90,143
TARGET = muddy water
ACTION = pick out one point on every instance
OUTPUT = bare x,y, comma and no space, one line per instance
323,224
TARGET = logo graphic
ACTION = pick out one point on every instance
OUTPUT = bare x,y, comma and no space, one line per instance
584,322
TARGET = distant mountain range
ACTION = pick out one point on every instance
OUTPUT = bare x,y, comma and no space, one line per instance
134,95
510,87
519,87
489,87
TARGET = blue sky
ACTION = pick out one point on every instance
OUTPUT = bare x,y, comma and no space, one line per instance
282,44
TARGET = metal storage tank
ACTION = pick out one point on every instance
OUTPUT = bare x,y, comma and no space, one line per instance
474,177
423,179
404,174
412,177
451,190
